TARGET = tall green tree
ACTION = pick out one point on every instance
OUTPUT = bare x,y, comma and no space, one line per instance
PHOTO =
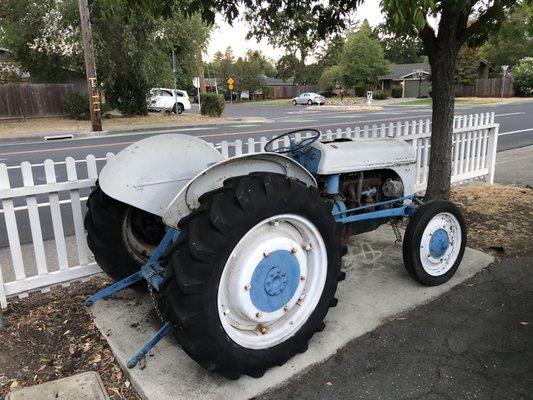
43,38
466,70
362,60
513,41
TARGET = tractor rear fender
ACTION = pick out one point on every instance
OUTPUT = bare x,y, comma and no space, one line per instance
149,173
214,176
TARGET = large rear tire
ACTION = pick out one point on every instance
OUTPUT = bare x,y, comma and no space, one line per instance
120,236
235,234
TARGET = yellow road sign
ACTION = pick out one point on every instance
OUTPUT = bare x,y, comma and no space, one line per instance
230,87
230,81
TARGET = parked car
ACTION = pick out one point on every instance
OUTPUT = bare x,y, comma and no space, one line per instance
308,98
162,99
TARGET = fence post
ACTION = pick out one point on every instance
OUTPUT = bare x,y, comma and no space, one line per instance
491,153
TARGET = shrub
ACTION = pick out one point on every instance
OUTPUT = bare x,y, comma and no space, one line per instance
523,77
396,92
379,95
77,106
360,91
212,104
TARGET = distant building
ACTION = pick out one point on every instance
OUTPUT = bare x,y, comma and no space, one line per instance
9,72
413,78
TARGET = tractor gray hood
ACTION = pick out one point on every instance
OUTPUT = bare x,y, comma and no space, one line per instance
363,154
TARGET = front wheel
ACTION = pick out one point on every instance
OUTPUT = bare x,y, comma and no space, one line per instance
309,102
294,102
434,242
255,271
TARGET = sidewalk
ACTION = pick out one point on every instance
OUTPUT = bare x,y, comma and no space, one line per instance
515,166
474,342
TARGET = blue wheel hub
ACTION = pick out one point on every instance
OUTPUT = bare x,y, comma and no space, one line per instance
274,281
438,244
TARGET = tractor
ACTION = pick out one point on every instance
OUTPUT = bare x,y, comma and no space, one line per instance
242,256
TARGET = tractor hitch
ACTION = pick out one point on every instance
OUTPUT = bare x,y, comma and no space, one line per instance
155,275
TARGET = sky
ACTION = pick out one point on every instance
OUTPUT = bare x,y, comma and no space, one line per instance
225,35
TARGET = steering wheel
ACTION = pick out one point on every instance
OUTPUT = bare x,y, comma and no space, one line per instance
295,148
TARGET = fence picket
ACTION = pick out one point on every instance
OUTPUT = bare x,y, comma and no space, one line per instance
374,132
11,227
92,170
55,211
224,149
251,145
35,220
77,215
238,147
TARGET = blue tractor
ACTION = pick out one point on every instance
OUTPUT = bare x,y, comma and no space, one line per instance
243,255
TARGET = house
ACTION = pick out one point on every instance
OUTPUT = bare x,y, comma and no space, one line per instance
413,78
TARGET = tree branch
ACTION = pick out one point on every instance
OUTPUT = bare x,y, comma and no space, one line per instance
493,15
427,33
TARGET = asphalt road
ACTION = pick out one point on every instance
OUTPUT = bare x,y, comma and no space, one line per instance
516,130
475,342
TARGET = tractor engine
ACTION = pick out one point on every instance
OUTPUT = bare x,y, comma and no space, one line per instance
364,188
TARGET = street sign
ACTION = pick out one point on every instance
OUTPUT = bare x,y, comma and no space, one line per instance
196,82
230,81
230,86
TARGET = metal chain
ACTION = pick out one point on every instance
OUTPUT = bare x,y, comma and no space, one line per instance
396,231
154,300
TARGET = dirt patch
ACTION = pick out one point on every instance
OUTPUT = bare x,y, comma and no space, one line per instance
51,336
499,217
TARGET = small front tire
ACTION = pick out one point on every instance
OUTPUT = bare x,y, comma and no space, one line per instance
434,242
294,102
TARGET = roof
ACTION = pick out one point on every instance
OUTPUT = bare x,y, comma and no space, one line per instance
278,82
399,71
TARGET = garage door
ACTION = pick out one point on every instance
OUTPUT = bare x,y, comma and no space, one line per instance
411,88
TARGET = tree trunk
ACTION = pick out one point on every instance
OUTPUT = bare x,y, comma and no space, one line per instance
440,161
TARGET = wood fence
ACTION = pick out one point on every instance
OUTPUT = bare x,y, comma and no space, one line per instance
27,100
486,87
473,156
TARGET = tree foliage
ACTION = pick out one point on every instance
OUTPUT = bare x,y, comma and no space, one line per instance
513,41
523,77
362,60
400,49
466,69
132,48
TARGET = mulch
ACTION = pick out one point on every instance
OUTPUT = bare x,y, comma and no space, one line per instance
51,335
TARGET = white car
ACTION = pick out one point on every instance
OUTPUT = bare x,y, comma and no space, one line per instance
162,99
308,98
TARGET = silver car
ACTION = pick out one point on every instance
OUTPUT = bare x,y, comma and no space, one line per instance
308,98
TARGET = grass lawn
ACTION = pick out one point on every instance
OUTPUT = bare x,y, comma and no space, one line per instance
55,125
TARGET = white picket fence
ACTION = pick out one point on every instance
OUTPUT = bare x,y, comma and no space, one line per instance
474,152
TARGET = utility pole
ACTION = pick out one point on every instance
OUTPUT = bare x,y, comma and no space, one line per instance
90,66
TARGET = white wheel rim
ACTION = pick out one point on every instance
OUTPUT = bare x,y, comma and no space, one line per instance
253,317
440,244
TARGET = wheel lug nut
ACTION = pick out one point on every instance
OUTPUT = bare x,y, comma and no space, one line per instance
247,286
226,312
307,247
258,314
266,253
293,250
285,308
302,278
262,329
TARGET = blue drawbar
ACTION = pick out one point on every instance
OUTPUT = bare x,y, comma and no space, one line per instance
438,243
275,281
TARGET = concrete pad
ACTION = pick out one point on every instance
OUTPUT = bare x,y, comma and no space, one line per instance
84,386
376,289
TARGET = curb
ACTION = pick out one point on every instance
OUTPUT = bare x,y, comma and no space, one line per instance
50,136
